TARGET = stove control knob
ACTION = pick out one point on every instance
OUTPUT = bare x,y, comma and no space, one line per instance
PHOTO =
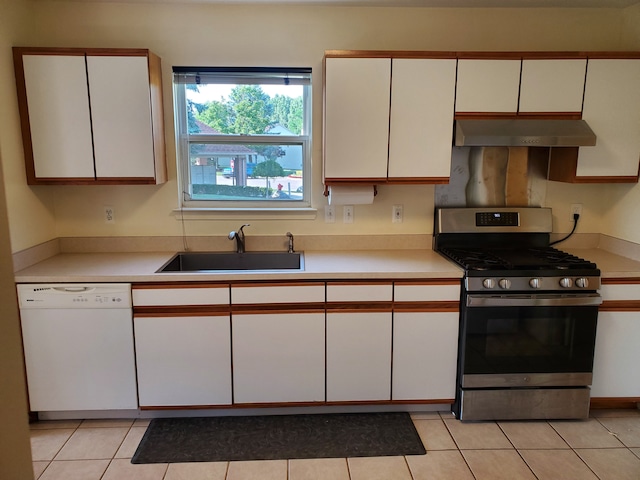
582,282
505,283
566,282
489,283
535,283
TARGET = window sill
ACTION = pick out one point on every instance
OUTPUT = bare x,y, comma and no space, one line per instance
245,213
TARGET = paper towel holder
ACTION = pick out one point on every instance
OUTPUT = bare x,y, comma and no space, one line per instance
326,190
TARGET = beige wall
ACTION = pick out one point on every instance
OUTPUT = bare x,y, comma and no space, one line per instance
281,35
15,452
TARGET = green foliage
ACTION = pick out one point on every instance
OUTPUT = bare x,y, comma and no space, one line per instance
248,110
269,168
217,115
231,191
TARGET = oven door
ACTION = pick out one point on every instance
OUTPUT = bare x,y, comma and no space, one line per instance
528,340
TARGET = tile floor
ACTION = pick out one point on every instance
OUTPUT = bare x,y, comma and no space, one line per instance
606,446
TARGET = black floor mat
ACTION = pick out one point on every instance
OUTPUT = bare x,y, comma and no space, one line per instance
271,437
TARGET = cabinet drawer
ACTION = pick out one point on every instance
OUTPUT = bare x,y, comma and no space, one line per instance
338,292
206,295
280,293
426,293
620,292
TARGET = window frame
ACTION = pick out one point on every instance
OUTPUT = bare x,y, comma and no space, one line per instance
184,139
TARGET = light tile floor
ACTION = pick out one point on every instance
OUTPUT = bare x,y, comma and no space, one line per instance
606,446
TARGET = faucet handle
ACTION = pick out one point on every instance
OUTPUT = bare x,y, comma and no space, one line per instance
290,235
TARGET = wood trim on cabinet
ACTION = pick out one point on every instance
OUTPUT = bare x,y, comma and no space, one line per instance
157,117
182,311
631,55
359,307
430,282
416,307
550,115
446,401
417,54
417,180
615,402
174,285
620,281
620,306
277,308
342,181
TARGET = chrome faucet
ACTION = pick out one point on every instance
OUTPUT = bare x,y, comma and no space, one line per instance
290,235
239,236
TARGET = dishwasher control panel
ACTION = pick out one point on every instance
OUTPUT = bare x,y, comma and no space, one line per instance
66,295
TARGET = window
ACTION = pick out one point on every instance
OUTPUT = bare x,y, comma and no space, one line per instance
243,137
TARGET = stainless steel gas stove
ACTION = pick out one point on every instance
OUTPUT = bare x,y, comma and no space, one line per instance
527,319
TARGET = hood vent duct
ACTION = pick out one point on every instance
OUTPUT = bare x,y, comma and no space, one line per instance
524,133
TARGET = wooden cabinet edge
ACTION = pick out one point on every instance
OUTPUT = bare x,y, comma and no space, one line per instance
620,281
615,402
620,306
437,401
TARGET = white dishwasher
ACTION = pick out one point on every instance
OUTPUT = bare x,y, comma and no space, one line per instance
78,346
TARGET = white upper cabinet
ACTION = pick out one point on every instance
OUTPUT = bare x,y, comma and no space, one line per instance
121,116
422,98
612,110
552,85
58,105
91,116
487,86
356,117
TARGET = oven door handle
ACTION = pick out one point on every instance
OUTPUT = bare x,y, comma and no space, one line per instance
585,299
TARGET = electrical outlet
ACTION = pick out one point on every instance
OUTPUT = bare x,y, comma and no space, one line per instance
396,214
347,214
329,214
109,214
576,208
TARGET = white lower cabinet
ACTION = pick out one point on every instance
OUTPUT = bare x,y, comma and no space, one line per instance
278,357
425,350
183,360
358,356
616,359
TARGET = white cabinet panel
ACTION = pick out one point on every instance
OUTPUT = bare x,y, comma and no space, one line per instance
356,117
620,292
180,296
277,294
183,361
426,293
552,85
612,110
278,357
616,359
358,356
60,124
488,85
359,293
121,116
425,352
422,98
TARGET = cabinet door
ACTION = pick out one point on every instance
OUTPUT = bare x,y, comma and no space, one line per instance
425,352
612,109
616,358
358,356
278,357
121,116
59,120
490,86
552,85
422,97
183,360
356,117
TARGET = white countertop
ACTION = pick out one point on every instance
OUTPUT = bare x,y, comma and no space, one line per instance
142,267
321,265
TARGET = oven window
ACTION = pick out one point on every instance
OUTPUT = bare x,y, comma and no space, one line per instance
529,339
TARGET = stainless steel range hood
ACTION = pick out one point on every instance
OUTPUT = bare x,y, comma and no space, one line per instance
524,133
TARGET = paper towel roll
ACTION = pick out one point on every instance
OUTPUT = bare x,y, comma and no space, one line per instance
350,194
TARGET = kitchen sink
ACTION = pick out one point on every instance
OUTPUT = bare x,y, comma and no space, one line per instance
216,261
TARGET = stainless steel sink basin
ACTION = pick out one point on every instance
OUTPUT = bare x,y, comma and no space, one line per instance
216,261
